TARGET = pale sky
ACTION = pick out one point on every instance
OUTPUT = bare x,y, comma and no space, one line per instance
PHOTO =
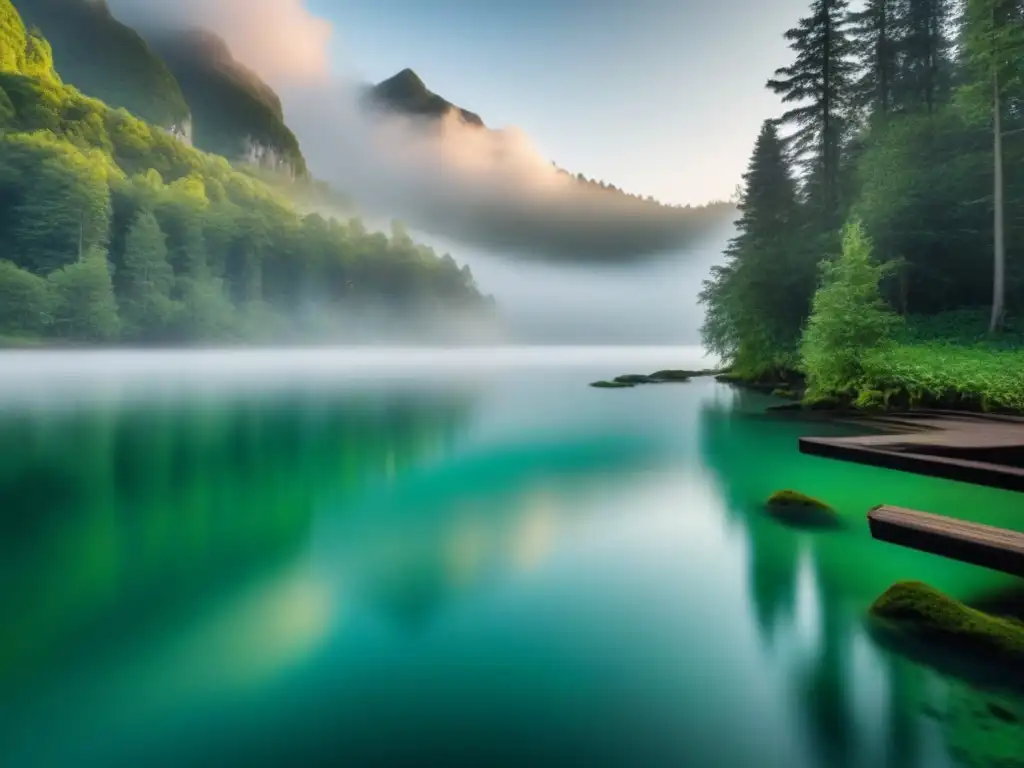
660,97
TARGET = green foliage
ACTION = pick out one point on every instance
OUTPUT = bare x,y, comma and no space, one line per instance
234,113
943,373
198,249
849,317
106,59
56,199
992,36
13,39
909,155
145,279
818,85
757,301
84,304
25,301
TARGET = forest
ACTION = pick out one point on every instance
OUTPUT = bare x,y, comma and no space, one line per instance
114,230
879,254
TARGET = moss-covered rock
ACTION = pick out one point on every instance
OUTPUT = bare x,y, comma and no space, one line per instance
634,378
798,509
926,614
611,385
678,375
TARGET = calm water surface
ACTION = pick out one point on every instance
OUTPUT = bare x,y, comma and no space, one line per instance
388,557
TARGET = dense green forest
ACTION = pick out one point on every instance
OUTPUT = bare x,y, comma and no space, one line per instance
113,230
880,248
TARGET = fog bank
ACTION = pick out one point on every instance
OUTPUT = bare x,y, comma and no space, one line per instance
490,189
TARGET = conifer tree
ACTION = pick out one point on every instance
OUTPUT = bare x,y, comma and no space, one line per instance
84,305
750,300
925,66
876,36
145,279
818,84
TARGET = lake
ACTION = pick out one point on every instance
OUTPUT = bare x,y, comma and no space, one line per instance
388,557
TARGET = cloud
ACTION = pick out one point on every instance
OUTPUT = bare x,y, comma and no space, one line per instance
487,188
280,40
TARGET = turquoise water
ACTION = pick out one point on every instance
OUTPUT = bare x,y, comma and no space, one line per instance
394,557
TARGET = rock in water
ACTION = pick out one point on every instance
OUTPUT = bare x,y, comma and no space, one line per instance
926,614
802,511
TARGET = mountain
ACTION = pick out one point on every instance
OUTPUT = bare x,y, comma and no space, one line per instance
407,93
113,229
186,82
104,58
234,113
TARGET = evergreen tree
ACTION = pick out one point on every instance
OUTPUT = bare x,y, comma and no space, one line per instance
819,83
925,66
145,279
24,300
849,318
753,302
84,305
875,34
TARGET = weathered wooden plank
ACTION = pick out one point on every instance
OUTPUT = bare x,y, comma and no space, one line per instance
990,547
895,452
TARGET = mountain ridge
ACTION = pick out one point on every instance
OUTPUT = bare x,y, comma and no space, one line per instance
406,93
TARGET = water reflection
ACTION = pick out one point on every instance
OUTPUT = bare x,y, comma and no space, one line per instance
834,691
388,574
129,510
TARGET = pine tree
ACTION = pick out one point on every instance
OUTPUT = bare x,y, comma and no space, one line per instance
925,74
84,305
145,279
876,36
753,312
819,83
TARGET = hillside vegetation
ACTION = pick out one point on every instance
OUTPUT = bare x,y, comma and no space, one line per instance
234,113
102,57
866,258
111,229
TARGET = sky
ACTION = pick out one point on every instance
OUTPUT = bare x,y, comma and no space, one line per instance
660,97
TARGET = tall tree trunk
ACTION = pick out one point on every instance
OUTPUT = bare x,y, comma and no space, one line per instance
999,242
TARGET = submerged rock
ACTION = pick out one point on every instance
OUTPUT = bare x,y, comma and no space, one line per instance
611,385
798,509
922,612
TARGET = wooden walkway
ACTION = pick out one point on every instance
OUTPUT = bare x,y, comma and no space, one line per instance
983,545
978,449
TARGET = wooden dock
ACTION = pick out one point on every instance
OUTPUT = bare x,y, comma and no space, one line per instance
978,449
983,545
